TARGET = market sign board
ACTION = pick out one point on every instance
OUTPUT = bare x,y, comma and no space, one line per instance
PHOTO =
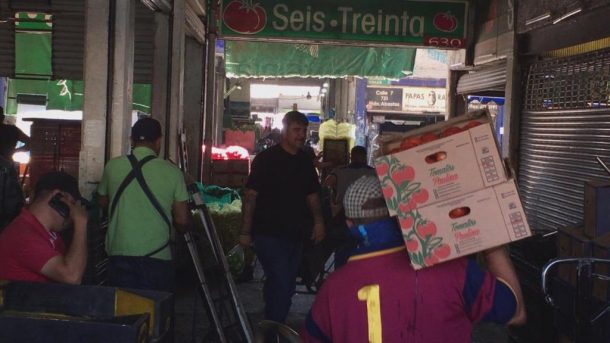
413,23
406,99
383,99
424,99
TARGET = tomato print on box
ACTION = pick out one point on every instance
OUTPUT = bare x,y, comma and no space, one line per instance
402,197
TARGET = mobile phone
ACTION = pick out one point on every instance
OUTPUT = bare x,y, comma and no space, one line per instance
59,206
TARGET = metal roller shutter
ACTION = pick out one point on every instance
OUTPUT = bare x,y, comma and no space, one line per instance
194,25
491,78
69,40
144,44
565,123
164,6
7,42
68,44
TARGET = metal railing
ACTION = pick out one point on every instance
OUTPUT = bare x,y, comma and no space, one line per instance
583,314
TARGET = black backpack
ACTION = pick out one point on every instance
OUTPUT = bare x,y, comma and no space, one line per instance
11,195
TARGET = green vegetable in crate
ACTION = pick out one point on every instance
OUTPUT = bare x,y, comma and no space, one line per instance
227,220
235,258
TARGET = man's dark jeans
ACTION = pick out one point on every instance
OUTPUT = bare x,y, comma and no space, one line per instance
280,259
141,273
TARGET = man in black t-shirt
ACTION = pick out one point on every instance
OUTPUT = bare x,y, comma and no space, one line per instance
280,205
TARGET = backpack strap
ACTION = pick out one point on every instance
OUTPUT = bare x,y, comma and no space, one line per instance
137,170
130,176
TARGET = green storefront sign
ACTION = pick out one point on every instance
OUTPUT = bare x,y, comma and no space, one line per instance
414,23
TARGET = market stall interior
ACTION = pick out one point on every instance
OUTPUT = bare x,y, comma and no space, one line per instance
456,102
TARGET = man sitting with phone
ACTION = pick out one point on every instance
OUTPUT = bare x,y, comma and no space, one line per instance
30,247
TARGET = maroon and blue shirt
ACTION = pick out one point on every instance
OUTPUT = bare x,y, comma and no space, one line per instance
436,304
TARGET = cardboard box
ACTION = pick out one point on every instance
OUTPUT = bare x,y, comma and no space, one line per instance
229,180
392,143
597,208
442,169
230,173
240,138
572,242
231,166
601,249
464,225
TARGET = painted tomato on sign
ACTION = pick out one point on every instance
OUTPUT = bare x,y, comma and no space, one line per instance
445,22
244,16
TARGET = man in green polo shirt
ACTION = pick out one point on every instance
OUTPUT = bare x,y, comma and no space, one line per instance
138,235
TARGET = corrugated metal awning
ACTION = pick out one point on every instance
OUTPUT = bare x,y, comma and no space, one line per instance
491,78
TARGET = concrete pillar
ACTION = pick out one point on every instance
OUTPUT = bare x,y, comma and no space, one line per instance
95,76
344,93
453,99
210,97
512,106
220,87
160,74
176,100
351,99
193,102
512,102
122,77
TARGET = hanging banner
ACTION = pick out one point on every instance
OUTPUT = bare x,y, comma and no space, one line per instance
413,23
261,59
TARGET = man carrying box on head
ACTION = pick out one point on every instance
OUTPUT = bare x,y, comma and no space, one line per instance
378,296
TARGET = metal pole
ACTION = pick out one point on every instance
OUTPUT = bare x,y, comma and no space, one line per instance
582,304
599,160
211,232
583,299
191,244
210,94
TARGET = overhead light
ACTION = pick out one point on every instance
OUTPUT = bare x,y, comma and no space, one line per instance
567,15
541,17
325,84
324,90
